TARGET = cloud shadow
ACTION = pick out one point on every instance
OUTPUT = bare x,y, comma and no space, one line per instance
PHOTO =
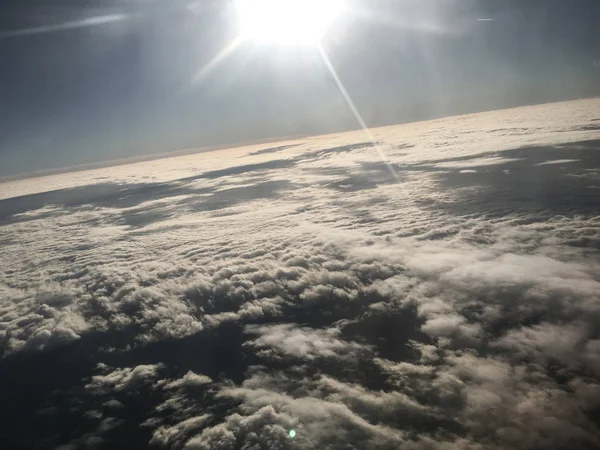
124,196
546,181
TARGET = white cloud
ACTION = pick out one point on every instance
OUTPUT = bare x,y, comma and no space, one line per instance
173,436
190,379
303,342
123,379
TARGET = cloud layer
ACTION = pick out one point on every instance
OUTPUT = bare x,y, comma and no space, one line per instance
217,301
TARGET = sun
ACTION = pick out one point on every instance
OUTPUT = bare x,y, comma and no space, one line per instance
287,21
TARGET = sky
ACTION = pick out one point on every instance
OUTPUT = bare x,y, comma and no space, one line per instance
89,81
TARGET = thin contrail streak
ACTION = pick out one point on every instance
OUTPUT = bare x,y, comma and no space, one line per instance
89,22
354,110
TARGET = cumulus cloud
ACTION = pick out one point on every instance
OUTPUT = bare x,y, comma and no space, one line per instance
302,342
520,406
190,379
449,325
123,379
269,417
176,435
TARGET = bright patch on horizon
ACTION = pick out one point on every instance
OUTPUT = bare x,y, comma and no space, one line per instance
287,21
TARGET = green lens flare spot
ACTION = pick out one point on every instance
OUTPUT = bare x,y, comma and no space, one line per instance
292,434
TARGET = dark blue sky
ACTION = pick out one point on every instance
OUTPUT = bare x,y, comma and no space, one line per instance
122,85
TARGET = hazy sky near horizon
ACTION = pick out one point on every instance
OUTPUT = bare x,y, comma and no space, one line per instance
87,81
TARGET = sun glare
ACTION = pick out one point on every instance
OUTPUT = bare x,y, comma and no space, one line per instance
287,21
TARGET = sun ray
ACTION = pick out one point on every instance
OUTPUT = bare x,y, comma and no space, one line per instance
83,23
203,73
355,111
